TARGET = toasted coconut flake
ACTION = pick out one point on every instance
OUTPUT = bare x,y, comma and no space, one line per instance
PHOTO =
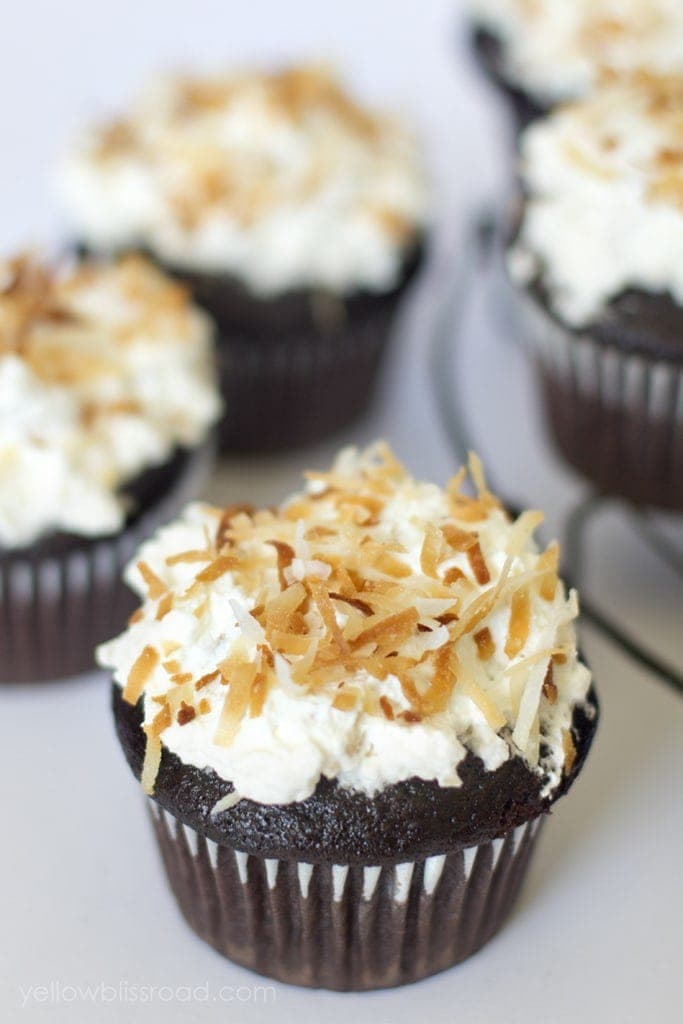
391,630
453,575
225,523
285,557
431,550
486,647
438,693
289,643
259,692
210,677
137,615
181,678
346,699
520,622
483,605
387,708
321,596
150,766
549,686
189,557
522,531
165,605
239,678
155,586
490,710
281,608
478,564
457,538
362,606
219,567
548,563
185,713
140,673
385,562
569,749
161,721
172,666
204,706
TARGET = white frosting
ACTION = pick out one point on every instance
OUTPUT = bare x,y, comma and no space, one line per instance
299,736
280,180
556,49
95,394
604,212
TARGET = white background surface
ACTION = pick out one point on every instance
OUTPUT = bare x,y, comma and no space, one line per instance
596,936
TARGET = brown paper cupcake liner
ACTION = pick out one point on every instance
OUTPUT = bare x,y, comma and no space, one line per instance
300,388
56,607
616,416
338,926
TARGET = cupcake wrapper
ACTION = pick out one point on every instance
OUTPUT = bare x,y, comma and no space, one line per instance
616,416
343,927
55,609
296,389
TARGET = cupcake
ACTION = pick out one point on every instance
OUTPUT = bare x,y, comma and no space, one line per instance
542,52
351,715
296,217
107,397
598,265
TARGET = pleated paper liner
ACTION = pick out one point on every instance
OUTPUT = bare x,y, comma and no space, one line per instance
615,416
343,927
56,607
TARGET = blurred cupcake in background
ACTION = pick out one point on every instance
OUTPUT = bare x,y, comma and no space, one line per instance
352,714
107,399
296,217
598,265
542,52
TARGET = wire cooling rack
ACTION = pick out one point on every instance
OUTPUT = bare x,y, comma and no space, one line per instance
448,351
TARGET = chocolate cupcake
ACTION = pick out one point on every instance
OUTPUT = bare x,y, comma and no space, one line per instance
544,52
351,715
598,269
296,217
107,397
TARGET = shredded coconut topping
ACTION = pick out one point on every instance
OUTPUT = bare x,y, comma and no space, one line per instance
604,179
279,178
419,622
104,369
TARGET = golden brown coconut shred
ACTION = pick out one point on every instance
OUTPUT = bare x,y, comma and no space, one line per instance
363,609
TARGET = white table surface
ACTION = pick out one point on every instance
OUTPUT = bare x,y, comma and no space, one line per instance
85,914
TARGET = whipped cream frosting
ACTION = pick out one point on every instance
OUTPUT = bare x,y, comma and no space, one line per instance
104,370
557,49
280,179
604,185
371,629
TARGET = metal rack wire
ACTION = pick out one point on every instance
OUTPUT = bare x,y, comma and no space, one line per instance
446,344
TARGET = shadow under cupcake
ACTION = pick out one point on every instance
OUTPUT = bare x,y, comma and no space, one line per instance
107,399
296,217
598,286
351,716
